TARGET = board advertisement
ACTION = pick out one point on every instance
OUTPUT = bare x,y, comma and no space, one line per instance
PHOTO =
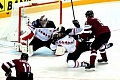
6,6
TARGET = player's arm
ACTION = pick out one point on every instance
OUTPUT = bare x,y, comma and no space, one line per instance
87,34
54,45
28,36
54,39
31,32
74,31
7,67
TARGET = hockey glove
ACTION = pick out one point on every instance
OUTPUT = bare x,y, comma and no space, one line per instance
76,23
54,38
8,72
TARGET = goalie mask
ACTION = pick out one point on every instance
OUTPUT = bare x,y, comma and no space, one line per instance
43,21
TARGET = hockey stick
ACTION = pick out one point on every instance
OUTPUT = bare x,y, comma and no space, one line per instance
73,9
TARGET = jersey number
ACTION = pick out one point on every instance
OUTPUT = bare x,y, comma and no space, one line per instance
100,22
26,67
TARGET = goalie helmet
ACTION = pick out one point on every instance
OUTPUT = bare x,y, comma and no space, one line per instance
43,21
24,56
89,13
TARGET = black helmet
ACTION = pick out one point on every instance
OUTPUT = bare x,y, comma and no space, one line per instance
24,56
62,29
89,13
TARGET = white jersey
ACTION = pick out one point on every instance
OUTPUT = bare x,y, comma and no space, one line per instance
43,34
68,42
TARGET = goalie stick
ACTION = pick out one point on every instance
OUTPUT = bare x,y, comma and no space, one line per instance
27,48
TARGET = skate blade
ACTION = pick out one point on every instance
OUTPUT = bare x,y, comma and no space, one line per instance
90,70
102,63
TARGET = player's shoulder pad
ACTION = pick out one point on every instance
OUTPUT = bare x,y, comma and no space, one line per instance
36,23
50,24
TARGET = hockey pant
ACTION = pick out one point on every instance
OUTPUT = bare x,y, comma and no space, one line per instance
25,76
37,43
81,47
100,40
22,76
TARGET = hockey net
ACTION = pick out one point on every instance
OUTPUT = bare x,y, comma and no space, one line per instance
21,12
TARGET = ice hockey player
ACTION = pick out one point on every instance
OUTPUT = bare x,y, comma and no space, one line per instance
94,28
41,31
64,39
74,47
22,67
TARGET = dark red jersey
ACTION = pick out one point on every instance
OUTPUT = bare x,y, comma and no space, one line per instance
20,66
96,26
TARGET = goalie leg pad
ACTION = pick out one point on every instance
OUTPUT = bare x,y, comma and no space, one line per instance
18,46
60,51
27,49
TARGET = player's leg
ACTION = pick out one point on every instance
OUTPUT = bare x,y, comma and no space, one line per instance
72,57
47,43
102,49
97,43
73,63
37,43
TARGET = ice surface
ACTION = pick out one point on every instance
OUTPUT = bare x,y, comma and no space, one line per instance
45,66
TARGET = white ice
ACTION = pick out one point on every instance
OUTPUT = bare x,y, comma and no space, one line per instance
55,68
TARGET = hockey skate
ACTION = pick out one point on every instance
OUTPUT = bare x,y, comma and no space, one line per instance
90,67
108,45
102,61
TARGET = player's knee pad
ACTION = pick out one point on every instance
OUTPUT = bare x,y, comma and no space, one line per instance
73,64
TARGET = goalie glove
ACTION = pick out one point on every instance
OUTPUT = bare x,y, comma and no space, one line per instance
76,23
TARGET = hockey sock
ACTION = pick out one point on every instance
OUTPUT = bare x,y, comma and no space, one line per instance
93,56
103,55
